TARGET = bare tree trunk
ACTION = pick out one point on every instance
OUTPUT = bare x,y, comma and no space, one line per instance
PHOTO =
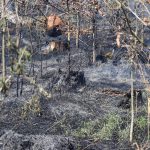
136,103
21,88
135,42
17,90
132,78
78,29
94,51
69,61
17,43
41,56
132,104
32,51
3,41
148,120
148,100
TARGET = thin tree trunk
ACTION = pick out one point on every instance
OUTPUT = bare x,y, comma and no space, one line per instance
94,51
39,46
3,42
148,120
135,41
132,82
69,61
32,51
17,90
132,104
78,29
21,88
17,43
136,104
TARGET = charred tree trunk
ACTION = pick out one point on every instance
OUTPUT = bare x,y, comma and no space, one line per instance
17,43
17,90
32,52
41,56
94,50
69,59
78,30
21,88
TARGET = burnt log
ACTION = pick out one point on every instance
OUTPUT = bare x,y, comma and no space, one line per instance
101,58
140,95
54,32
76,78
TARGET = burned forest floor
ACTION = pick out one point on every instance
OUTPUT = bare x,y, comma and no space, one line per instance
89,110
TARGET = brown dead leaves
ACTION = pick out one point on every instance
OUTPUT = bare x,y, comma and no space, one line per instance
146,21
53,21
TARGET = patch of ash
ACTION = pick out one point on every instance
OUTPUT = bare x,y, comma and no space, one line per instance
68,108
115,76
14,141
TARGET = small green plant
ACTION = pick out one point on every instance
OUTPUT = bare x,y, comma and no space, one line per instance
141,122
111,124
124,134
99,129
31,107
114,4
5,85
87,129
17,64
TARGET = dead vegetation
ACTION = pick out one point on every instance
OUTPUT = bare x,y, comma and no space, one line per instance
74,75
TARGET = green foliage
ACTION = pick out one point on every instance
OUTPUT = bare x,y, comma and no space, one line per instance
12,46
124,134
111,124
18,56
87,129
3,22
101,129
141,122
140,128
114,4
5,84
17,64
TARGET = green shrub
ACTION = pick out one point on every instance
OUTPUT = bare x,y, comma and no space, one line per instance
87,129
124,134
111,124
141,122
101,129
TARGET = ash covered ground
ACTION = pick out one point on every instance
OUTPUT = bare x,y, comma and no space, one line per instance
90,110
71,105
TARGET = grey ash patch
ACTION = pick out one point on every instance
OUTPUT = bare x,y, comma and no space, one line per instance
14,141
